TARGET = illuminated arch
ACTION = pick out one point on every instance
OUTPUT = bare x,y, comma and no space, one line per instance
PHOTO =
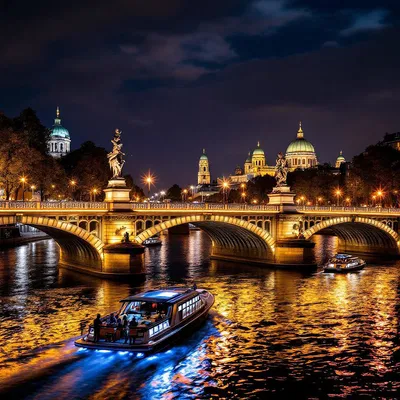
224,231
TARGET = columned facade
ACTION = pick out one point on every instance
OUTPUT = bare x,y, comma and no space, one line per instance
59,143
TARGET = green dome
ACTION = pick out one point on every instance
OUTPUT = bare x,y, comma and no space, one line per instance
258,151
248,159
204,156
300,144
340,157
58,130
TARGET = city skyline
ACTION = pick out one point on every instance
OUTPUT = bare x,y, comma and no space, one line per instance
220,77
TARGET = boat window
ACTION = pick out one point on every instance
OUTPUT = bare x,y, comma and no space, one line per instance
189,307
159,328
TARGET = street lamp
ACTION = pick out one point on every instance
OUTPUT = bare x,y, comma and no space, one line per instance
255,201
94,191
374,200
149,180
72,183
302,198
184,195
348,201
244,197
319,199
338,193
23,180
380,194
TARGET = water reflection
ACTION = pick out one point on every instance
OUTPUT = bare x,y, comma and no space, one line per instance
271,332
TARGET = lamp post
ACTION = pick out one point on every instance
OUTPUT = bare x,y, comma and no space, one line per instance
348,201
374,200
379,194
243,195
94,191
302,198
23,180
148,180
72,183
225,187
338,193
184,195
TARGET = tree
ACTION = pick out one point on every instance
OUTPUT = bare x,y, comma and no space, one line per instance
174,193
88,166
136,192
37,134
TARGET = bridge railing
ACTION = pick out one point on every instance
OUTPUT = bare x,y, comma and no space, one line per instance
341,209
204,206
53,205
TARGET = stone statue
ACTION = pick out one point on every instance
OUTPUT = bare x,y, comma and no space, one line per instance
281,170
126,238
115,156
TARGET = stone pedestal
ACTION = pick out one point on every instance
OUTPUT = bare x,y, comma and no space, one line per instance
282,196
124,258
117,192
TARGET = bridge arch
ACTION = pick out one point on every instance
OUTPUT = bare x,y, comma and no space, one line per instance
230,236
77,245
361,234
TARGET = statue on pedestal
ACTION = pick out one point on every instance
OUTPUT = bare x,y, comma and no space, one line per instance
115,156
281,170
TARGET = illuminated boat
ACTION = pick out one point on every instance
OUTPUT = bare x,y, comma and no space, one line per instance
344,263
160,316
153,241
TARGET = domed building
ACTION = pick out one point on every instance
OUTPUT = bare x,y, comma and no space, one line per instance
247,164
258,159
204,175
59,143
340,160
301,153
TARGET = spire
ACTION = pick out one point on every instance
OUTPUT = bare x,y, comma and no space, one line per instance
341,153
204,151
57,121
258,144
300,133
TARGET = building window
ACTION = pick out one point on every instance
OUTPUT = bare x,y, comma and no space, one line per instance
304,161
204,169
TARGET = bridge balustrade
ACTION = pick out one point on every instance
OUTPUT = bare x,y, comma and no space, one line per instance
349,209
203,206
53,205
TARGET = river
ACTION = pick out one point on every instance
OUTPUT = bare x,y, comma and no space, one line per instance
271,333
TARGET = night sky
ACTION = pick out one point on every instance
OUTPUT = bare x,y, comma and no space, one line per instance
177,76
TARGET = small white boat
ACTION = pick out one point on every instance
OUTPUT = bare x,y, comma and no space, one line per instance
153,241
160,317
343,263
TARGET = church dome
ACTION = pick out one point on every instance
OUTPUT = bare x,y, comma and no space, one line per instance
258,151
58,130
340,157
300,145
248,159
204,155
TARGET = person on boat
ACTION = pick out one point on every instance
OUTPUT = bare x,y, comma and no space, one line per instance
125,328
96,328
132,335
112,320
194,287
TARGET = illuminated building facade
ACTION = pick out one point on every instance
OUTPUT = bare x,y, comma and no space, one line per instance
204,175
340,160
59,143
300,154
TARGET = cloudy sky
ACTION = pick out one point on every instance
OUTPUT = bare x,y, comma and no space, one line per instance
177,76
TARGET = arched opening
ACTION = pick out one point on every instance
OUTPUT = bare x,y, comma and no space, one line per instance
149,224
231,238
77,246
359,235
139,227
83,224
94,227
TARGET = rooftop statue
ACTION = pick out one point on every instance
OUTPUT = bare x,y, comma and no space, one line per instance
281,170
115,156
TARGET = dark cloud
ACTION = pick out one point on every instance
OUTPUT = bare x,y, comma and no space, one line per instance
177,76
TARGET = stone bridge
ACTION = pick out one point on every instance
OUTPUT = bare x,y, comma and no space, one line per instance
264,234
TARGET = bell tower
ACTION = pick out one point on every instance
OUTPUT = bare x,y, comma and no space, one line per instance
204,176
